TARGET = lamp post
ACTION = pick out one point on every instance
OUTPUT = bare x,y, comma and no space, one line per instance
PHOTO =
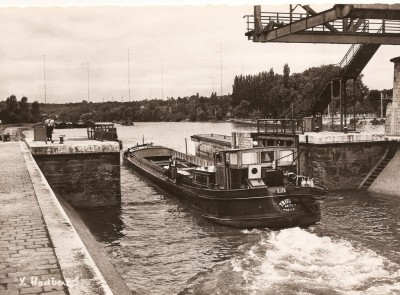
129,79
220,55
88,93
44,77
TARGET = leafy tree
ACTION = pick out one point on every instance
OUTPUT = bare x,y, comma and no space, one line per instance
202,116
387,93
286,72
356,92
5,116
242,110
374,98
35,109
192,116
23,105
219,114
12,104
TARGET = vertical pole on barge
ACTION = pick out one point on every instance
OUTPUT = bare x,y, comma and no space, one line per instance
186,145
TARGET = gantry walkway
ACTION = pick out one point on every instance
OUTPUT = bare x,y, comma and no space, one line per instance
366,26
332,82
342,24
40,251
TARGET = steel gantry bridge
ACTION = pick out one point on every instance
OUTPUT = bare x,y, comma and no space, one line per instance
365,26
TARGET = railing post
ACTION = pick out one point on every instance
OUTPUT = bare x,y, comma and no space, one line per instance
341,103
292,110
257,19
345,103
293,131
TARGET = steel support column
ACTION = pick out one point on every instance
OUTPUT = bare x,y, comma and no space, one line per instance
354,103
332,104
341,104
345,102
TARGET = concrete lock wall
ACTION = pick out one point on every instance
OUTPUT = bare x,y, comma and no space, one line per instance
84,180
392,125
340,166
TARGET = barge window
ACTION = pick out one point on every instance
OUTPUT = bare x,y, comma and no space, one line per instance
267,157
249,158
233,158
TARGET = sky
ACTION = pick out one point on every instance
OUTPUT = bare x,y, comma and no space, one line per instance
79,51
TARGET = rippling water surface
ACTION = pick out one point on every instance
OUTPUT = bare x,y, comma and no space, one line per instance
160,247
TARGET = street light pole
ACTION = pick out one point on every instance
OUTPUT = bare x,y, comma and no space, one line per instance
220,55
129,78
44,77
88,96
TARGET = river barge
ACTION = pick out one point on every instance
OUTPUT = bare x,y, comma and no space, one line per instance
246,188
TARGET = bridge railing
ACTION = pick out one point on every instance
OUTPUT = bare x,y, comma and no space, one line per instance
279,19
280,126
102,131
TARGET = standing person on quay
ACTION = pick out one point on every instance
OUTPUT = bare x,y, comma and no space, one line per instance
49,123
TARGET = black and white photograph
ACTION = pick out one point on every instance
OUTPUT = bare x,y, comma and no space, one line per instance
199,147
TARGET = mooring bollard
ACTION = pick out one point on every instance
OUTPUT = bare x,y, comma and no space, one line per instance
62,139
345,130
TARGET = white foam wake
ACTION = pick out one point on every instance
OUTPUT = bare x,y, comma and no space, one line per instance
294,261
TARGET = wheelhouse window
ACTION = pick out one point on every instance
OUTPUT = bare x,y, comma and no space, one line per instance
249,158
267,156
219,158
233,158
286,156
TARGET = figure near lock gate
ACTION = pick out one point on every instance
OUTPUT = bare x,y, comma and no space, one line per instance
49,123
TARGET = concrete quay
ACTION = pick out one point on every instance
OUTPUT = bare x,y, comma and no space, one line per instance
329,137
71,146
40,251
83,172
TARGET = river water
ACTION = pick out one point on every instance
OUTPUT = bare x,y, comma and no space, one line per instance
160,247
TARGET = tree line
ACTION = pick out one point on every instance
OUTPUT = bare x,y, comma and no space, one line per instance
268,94
192,108
263,95
14,111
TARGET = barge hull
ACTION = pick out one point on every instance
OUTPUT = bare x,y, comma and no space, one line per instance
258,211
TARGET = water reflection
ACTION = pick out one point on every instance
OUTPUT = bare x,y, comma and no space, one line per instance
365,218
104,223
165,243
